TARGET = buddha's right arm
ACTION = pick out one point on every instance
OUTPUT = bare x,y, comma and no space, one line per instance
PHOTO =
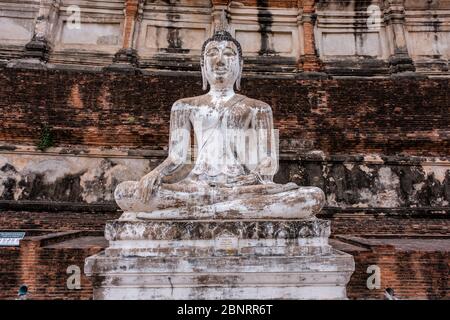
179,142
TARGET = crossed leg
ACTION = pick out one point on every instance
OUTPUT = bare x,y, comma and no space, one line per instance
189,201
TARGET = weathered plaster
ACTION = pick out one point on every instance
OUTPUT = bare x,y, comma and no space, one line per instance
65,177
91,176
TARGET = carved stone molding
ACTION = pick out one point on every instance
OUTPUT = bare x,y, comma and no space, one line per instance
208,229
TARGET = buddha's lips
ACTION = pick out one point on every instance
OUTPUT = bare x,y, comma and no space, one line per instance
220,71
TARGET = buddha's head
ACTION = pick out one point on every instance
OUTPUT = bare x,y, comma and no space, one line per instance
221,61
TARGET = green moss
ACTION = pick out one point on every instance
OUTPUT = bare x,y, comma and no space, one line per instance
46,139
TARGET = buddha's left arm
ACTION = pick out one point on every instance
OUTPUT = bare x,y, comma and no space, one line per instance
266,146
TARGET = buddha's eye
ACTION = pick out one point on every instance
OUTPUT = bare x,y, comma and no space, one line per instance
229,52
212,52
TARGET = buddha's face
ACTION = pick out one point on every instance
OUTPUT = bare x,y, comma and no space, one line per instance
221,64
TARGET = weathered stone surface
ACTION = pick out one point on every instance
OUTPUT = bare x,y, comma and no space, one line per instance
84,175
62,178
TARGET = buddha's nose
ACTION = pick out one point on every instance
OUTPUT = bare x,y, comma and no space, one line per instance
221,61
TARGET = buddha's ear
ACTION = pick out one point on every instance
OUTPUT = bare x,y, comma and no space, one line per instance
204,80
238,80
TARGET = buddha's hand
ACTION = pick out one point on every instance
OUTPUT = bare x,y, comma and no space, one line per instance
262,179
265,170
148,184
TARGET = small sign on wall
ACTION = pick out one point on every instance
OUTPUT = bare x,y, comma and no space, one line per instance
11,239
226,242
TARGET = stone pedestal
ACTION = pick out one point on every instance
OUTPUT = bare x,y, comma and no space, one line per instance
219,259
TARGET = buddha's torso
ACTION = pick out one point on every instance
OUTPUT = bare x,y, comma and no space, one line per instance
219,132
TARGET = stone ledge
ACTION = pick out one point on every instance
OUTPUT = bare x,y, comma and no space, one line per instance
68,208
57,207
222,246
287,153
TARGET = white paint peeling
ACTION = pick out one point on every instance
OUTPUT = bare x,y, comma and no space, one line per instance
439,172
373,158
90,171
418,186
349,166
365,169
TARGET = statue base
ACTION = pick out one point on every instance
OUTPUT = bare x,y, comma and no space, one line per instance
219,259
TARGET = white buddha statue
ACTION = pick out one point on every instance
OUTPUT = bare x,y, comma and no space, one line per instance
230,172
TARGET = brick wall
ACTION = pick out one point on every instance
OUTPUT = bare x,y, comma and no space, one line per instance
51,281
63,221
335,116
413,274
10,270
44,268
353,224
